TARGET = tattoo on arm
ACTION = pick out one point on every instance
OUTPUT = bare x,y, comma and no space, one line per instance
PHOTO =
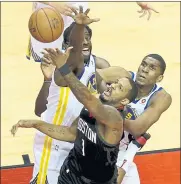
60,130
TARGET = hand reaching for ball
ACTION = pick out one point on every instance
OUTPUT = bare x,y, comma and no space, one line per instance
56,57
81,17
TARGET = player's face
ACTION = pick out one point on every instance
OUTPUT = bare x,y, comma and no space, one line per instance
87,45
116,93
149,72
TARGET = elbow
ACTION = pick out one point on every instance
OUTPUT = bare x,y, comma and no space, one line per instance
37,113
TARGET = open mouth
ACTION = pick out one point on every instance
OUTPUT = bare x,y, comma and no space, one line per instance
108,92
86,51
142,77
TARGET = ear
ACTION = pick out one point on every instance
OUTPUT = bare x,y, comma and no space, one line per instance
159,78
125,101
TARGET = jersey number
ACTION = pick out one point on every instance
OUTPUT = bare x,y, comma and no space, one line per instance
83,153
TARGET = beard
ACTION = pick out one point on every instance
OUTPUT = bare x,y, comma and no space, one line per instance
102,99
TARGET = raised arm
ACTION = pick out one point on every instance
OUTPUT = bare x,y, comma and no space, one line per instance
159,104
41,100
62,133
104,114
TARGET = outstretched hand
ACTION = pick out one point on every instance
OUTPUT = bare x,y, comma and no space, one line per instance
146,8
22,124
57,57
81,17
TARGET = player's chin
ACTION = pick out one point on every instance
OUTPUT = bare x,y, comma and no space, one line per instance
140,83
104,98
86,57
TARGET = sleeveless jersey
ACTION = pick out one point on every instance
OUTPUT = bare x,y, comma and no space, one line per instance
135,109
91,156
35,47
62,109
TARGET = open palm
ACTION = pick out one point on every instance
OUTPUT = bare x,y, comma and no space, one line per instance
81,17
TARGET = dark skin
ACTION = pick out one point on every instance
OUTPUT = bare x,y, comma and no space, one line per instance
149,73
110,122
76,63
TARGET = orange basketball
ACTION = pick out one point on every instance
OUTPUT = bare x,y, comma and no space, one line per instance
46,25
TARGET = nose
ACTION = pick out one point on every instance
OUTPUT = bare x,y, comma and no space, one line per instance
145,69
85,41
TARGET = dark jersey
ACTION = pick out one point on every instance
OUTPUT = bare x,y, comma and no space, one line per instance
91,156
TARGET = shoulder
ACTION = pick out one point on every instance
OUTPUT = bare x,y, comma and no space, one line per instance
113,112
161,99
101,62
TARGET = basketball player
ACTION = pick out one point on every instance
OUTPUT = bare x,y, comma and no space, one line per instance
35,47
144,111
96,133
90,60
62,108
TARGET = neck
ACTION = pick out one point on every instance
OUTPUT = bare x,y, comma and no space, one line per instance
116,105
77,71
144,90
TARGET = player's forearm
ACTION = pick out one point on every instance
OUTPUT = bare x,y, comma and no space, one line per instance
81,92
77,38
76,41
136,127
54,131
41,100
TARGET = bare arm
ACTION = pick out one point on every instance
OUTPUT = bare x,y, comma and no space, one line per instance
101,63
113,73
104,114
41,100
76,40
62,133
159,104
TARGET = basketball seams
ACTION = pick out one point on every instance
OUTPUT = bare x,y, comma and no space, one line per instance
37,25
61,19
46,15
48,21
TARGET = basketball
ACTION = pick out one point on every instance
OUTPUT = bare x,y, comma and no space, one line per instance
46,25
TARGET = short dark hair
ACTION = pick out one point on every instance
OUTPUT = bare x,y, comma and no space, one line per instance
67,32
133,93
160,59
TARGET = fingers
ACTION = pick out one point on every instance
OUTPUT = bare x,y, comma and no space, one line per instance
140,11
87,11
80,9
14,129
58,51
45,62
154,10
74,10
51,51
68,51
149,14
69,14
93,20
144,13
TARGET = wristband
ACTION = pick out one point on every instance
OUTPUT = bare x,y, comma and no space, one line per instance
64,70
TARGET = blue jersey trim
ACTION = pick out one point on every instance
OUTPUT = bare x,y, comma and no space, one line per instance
132,75
152,95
